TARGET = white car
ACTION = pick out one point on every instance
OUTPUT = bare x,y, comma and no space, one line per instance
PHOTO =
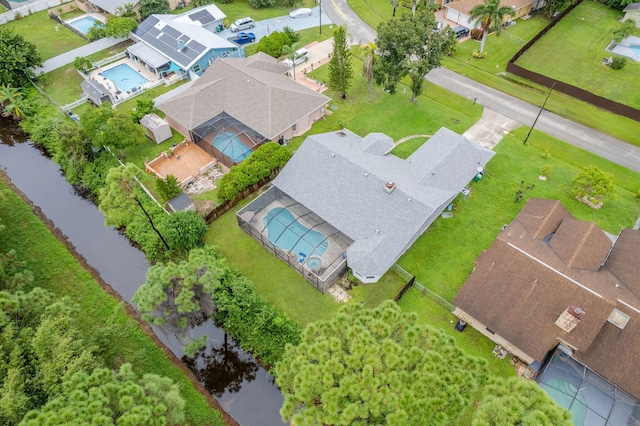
302,55
300,13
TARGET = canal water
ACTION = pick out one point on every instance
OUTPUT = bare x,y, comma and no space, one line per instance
243,388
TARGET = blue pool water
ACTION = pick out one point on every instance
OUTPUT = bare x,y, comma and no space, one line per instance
124,77
635,49
229,144
83,24
284,231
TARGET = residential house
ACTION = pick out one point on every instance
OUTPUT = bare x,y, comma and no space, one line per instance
551,281
239,103
376,203
185,44
113,7
632,11
459,11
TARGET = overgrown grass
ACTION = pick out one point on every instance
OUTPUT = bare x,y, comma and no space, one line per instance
573,50
57,271
49,37
443,257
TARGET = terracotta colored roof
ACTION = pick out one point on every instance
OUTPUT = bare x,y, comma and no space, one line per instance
253,90
533,272
465,6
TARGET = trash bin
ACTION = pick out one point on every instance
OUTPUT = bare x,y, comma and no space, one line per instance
461,325
477,177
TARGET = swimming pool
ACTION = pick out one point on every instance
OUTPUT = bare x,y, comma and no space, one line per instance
85,23
284,231
229,144
124,77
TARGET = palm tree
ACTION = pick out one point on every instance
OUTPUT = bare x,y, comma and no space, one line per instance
290,51
490,15
394,3
11,102
367,69
126,11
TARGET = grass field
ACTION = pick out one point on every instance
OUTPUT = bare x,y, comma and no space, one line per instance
56,270
442,258
49,37
573,50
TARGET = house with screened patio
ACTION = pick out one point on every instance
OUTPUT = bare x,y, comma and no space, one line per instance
345,201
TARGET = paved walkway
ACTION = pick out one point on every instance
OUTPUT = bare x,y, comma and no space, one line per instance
522,113
83,51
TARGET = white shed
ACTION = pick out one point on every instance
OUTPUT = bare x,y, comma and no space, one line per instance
156,128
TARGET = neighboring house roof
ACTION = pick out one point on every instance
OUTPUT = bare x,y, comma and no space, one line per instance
526,280
465,6
341,178
112,6
180,38
252,90
632,6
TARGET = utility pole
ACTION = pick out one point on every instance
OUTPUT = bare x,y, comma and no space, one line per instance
320,16
539,112
151,222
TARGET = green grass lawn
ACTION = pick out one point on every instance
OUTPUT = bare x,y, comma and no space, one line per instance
442,258
57,271
241,8
41,30
573,50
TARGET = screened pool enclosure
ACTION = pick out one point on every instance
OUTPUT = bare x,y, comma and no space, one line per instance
227,139
298,236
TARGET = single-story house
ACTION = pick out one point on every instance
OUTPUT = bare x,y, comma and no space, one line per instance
459,11
239,103
113,7
378,204
632,11
182,44
551,281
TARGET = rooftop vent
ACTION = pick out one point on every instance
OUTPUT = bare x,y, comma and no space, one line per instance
181,45
619,319
389,187
569,318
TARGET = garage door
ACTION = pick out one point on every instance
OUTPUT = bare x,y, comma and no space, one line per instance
452,15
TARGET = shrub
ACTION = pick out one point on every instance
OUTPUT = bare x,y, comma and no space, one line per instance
545,170
184,230
636,195
476,33
82,64
476,54
272,44
618,63
257,166
168,188
257,4
593,186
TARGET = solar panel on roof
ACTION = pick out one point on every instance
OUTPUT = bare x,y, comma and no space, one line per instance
169,50
196,46
145,25
206,17
171,32
164,38
153,31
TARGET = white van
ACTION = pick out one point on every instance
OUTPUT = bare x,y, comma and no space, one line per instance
302,55
242,24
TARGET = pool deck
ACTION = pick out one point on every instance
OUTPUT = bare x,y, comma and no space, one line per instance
186,162
623,49
152,78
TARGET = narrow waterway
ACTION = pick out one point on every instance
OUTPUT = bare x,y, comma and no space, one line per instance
243,388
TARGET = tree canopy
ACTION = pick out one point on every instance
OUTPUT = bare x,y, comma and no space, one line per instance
111,127
410,46
518,402
594,185
340,71
150,7
18,57
376,366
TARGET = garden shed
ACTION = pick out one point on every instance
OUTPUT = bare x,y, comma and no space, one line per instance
95,92
156,128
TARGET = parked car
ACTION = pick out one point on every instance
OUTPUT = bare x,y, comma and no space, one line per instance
438,27
300,13
461,31
243,38
242,24
302,55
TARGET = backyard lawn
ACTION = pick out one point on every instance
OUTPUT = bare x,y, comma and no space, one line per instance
49,37
573,50
442,258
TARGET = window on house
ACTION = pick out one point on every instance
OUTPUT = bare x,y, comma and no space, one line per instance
196,68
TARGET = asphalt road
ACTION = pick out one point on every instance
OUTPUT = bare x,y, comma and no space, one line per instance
603,145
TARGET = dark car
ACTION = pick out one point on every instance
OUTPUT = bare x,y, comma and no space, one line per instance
461,32
243,38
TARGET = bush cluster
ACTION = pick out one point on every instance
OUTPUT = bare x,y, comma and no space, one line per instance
272,44
257,166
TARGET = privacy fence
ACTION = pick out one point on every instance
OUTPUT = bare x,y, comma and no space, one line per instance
576,92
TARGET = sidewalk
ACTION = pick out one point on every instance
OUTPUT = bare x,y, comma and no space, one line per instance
318,55
83,51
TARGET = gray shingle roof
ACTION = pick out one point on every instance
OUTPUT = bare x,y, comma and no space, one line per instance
252,90
632,6
340,176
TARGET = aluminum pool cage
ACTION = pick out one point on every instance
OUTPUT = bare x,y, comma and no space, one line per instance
298,236
593,400
227,139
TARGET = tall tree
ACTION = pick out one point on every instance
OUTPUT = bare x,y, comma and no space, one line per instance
126,11
409,46
120,26
490,16
369,51
111,127
340,71
515,402
106,397
117,201
18,57
184,230
290,50
376,366
150,7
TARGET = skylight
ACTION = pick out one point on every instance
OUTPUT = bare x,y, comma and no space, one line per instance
619,319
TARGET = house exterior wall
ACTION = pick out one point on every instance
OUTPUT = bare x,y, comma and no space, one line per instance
494,337
304,124
180,129
207,59
632,14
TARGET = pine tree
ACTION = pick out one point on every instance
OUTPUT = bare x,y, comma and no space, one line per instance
340,71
